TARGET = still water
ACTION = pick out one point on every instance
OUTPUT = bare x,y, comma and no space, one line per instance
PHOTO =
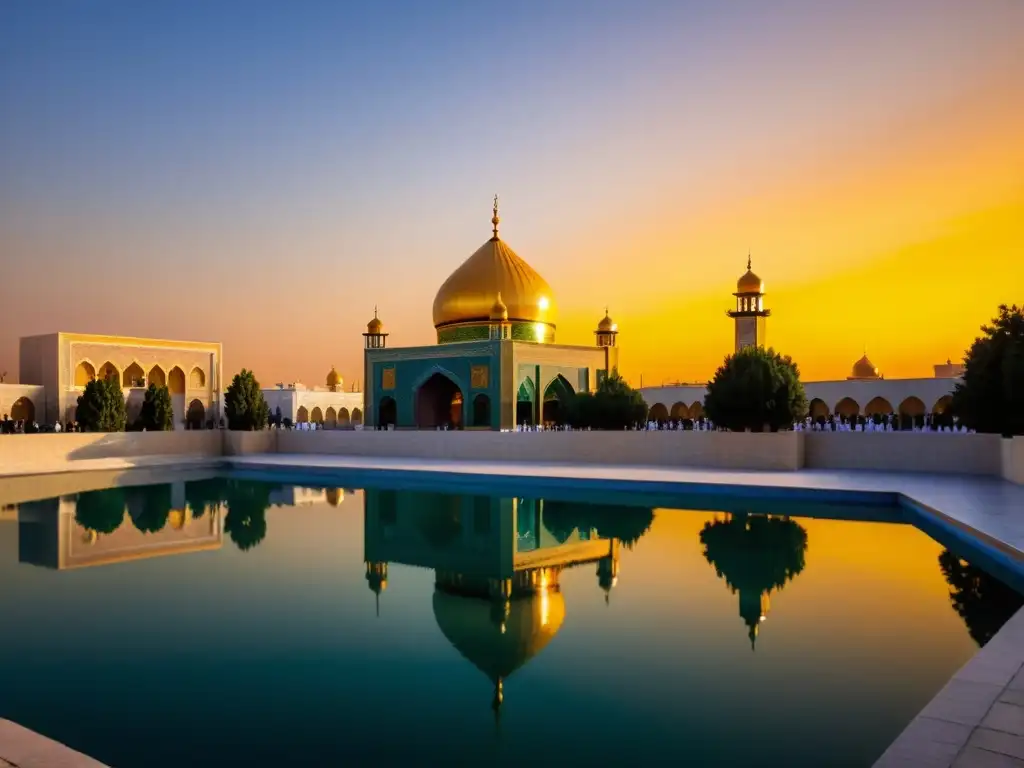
226,621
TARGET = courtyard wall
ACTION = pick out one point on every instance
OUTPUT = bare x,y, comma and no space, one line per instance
717,450
1013,460
905,452
27,454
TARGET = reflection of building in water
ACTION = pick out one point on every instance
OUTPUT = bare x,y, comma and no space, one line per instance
755,554
300,496
51,535
497,565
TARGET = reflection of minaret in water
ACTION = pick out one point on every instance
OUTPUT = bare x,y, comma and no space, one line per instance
377,579
753,610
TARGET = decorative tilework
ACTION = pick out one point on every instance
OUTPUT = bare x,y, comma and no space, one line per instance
479,377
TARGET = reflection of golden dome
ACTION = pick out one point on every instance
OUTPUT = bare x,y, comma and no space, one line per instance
334,378
90,537
335,496
607,325
179,518
498,310
499,645
864,369
468,294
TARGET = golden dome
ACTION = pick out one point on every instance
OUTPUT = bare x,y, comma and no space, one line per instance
335,496
334,378
607,325
468,294
498,310
499,645
864,369
179,518
749,282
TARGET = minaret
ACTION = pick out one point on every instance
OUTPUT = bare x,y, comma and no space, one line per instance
375,336
750,314
606,331
499,327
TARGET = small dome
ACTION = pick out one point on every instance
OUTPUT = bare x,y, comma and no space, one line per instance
179,518
334,378
375,325
749,283
499,311
335,496
607,325
864,369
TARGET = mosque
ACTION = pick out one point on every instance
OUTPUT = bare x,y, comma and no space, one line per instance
496,363
865,392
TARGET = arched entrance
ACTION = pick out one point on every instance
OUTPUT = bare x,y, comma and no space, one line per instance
176,381
524,403
196,379
911,412
556,400
84,373
109,371
387,412
157,376
481,411
679,412
133,376
343,417
301,415
943,404
330,418
317,416
438,403
848,408
697,411
357,416
658,413
878,406
818,409
23,410
195,416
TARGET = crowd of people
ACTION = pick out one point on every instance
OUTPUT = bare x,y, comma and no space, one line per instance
9,426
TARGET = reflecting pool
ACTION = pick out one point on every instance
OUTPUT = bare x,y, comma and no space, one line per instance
222,621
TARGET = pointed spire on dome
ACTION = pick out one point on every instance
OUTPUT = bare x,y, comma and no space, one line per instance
748,259
495,219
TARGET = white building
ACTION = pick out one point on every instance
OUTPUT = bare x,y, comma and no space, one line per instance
329,405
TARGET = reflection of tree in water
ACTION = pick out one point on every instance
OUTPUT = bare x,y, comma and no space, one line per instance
149,506
246,520
199,494
982,601
611,521
439,518
100,511
755,554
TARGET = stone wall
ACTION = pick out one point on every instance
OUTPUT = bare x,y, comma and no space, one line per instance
1013,460
905,452
27,454
246,443
720,450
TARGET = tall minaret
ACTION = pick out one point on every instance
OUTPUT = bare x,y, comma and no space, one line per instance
606,331
750,314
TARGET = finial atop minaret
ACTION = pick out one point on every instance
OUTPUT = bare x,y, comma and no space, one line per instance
374,311
494,219
748,258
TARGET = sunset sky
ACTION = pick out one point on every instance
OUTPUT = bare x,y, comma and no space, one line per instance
264,173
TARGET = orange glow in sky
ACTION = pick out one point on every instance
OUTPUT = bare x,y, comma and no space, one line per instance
869,157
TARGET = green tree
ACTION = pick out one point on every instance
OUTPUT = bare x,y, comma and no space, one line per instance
984,602
101,511
101,406
244,403
755,389
150,506
990,397
157,413
615,405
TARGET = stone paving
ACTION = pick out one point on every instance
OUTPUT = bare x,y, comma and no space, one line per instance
23,748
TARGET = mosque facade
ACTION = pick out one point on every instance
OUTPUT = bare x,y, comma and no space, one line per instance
865,392
329,406
496,363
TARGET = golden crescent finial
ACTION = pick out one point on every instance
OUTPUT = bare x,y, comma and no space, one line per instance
494,219
748,258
